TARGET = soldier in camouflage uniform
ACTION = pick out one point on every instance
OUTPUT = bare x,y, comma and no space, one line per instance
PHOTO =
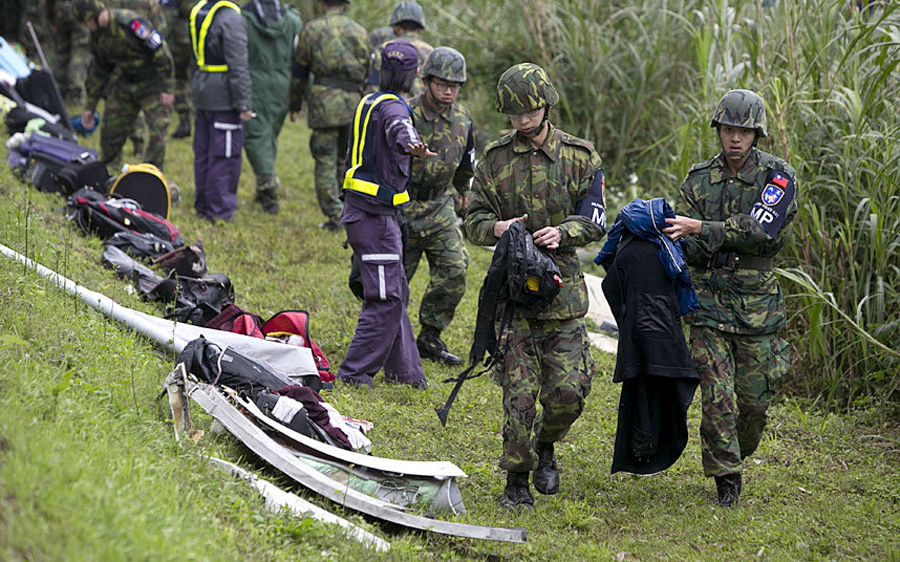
178,14
538,175
71,55
408,22
446,127
736,208
334,48
153,12
122,42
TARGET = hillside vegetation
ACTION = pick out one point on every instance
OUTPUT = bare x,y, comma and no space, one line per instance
89,469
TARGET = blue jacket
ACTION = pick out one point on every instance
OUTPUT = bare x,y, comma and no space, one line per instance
646,219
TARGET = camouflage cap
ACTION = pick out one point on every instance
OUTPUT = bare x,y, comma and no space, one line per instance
741,108
445,63
525,87
408,11
399,55
84,10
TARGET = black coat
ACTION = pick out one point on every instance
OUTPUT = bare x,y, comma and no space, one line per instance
653,362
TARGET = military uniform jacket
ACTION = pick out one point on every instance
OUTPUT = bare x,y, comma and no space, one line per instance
336,50
743,215
119,47
547,183
451,135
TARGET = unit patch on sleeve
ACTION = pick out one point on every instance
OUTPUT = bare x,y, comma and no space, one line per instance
144,32
774,199
593,206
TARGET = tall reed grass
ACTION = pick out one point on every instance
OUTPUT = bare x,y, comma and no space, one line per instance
640,79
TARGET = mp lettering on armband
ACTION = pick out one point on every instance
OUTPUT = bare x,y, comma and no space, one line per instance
593,206
774,199
151,38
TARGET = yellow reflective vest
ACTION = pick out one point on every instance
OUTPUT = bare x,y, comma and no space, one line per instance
201,18
362,176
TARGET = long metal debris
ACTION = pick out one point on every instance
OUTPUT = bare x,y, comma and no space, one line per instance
288,359
278,456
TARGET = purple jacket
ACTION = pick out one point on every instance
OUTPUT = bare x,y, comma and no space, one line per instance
390,130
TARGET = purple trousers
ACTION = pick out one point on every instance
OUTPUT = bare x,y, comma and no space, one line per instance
384,337
218,139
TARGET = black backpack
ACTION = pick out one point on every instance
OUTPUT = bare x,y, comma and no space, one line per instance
94,213
521,277
196,300
533,278
147,247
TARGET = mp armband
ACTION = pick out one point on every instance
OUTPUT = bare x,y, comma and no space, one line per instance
771,208
151,39
593,205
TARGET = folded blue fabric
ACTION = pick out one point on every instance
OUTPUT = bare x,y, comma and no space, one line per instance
647,219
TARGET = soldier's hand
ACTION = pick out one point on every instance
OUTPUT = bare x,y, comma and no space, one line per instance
420,150
87,119
502,226
294,115
246,115
548,237
168,100
681,226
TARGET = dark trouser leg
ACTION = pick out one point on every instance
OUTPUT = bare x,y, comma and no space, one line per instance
323,145
383,337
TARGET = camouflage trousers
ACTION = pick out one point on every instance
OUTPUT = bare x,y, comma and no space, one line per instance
328,148
737,379
547,361
70,58
180,45
447,262
123,103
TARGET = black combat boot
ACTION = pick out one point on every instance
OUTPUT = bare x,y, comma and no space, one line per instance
517,494
546,475
728,489
184,128
431,347
268,198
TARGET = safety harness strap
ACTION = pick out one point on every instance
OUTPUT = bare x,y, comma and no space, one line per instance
201,19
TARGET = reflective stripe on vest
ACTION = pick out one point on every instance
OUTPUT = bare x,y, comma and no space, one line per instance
200,26
362,176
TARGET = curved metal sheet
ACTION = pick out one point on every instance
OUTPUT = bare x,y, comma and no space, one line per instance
269,450
431,469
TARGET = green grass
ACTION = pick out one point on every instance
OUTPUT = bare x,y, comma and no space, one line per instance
89,469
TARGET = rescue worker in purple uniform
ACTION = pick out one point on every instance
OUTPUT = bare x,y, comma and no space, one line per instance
374,187
222,99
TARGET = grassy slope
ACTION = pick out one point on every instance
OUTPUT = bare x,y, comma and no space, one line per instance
89,470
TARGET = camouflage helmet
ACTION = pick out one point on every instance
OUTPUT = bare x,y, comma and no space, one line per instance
84,10
741,108
523,88
408,10
445,63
